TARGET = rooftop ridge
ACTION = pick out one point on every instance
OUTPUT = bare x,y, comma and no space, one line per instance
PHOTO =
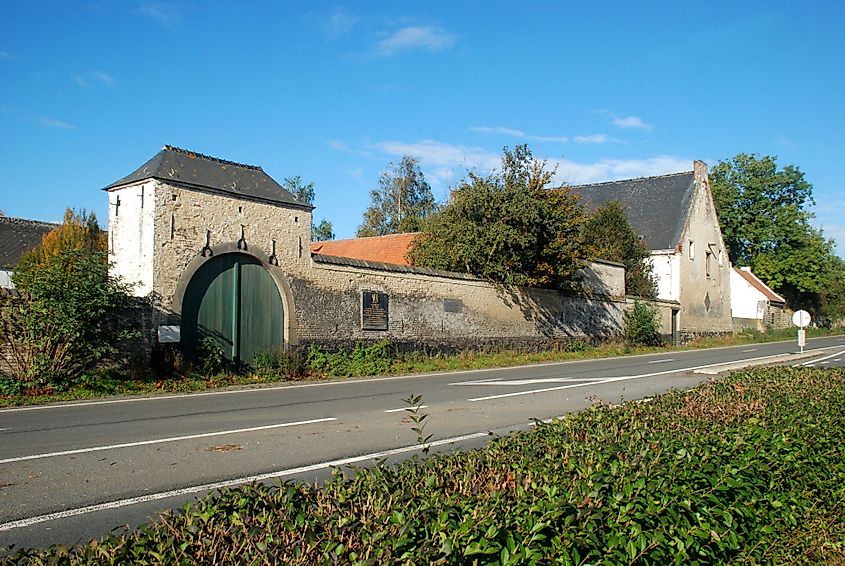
665,175
190,153
373,237
29,221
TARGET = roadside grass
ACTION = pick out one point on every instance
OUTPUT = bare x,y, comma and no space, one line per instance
749,469
376,359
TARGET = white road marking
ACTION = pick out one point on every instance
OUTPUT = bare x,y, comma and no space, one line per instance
161,440
825,362
227,483
529,381
406,409
601,381
2,429
662,361
824,358
188,396
837,359
749,350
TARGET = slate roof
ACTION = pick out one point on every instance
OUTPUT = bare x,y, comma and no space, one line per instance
17,236
656,206
389,249
184,167
754,281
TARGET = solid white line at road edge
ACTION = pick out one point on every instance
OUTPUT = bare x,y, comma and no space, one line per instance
189,396
161,440
227,483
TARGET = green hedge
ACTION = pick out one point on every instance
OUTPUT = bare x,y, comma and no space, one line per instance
750,469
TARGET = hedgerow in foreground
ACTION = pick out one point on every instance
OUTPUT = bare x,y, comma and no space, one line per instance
750,469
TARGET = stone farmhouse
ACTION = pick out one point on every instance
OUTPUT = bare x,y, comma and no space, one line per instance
677,219
219,249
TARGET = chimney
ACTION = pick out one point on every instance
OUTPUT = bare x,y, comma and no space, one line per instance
700,169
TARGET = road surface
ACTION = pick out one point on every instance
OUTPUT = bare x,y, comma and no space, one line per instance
75,471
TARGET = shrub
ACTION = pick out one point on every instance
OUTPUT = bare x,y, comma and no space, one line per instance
278,364
642,325
210,359
375,359
66,319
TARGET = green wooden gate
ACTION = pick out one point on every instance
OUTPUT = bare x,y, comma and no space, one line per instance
233,299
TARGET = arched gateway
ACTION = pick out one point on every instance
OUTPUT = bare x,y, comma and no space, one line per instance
214,245
233,300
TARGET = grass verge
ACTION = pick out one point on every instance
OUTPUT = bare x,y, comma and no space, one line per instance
750,469
377,359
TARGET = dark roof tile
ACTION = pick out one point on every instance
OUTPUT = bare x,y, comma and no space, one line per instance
656,206
181,166
17,236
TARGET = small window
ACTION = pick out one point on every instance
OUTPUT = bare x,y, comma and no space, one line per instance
692,250
708,257
721,258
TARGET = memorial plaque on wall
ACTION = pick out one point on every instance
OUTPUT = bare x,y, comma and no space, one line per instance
373,310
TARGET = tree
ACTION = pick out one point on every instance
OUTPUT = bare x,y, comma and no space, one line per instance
79,231
758,205
322,232
401,201
608,235
66,317
766,225
305,193
507,227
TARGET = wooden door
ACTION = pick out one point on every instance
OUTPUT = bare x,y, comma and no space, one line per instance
233,299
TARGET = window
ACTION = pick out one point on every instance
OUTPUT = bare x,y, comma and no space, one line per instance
721,258
692,250
708,255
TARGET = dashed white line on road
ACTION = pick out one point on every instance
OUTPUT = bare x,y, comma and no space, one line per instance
406,409
2,429
837,359
749,350
228,483
161,440
528,381
662,361
825,362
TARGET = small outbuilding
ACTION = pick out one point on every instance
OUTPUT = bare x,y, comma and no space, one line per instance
18,236
754,304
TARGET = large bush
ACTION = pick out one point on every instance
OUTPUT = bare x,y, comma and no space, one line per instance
65,318
642,325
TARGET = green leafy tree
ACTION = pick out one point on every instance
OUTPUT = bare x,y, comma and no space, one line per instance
305,193
763,212
401,201
642,325
322,231
608,235
507,227
66,317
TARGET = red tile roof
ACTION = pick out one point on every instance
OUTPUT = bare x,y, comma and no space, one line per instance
752,280
385,249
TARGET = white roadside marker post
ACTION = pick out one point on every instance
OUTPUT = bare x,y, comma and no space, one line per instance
801,319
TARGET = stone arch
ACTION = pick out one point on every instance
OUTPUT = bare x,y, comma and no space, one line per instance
290,322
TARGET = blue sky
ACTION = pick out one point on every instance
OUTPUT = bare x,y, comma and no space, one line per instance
333,92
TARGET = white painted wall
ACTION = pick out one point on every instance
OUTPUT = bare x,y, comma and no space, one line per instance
667,268
746,300
131,235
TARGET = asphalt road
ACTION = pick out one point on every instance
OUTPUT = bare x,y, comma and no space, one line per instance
75,471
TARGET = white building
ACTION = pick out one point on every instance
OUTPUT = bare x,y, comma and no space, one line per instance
753,303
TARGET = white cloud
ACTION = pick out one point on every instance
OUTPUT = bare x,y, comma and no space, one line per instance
575,173
86,80
357,173
592,138
517,134
631,122
440,154
165,14
54,123
428,38
339,22
338,145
